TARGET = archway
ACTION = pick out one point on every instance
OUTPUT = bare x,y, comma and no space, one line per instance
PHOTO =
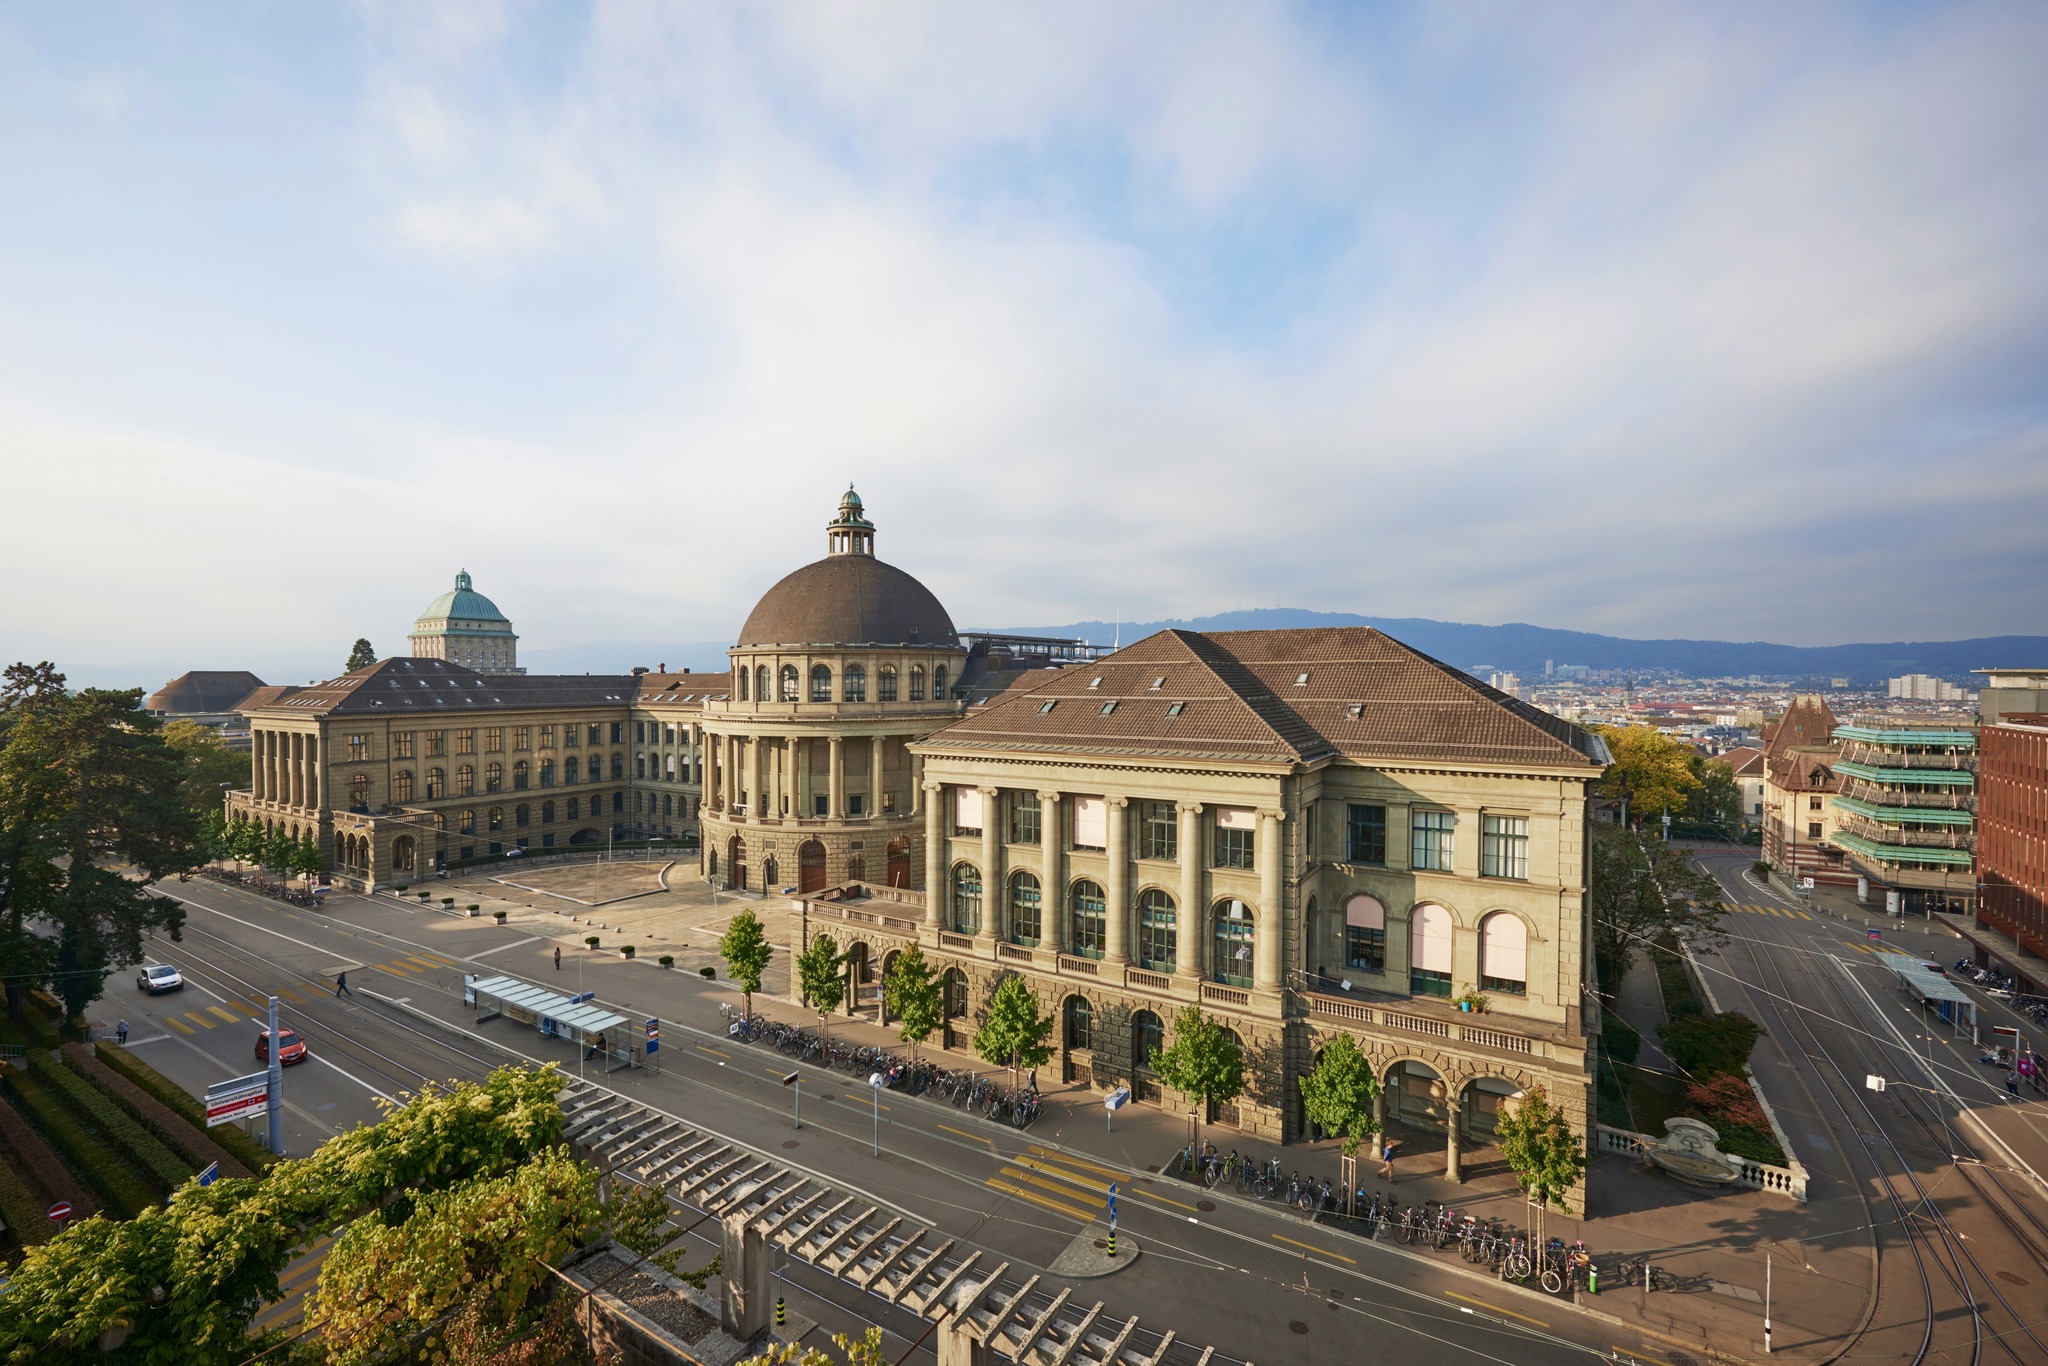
862,990
810,862
402,855
1415,1094
954,1002
1482,1104
882,997
1148,1038
899,863
736,864
586,837
771,873
1077,1039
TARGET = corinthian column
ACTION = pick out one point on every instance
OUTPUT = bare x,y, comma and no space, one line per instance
1271,922
991,865
1116,939
1194,916
1052,896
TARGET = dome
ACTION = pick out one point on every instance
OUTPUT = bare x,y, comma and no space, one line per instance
848,600
463,603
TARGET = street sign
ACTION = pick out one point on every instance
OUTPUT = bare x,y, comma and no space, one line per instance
653,1036
60,1211
792,1079
237,1098
1874,936
1112,1202
1873,1082
211,1174
1117,1099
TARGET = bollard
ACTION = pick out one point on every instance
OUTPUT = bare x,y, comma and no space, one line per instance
1112,1242
1592,1280
781,1315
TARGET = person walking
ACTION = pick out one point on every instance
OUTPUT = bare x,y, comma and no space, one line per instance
2012,1084
341,985
121,1033
1387,1159
558,958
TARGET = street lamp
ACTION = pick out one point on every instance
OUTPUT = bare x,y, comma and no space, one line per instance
875,1086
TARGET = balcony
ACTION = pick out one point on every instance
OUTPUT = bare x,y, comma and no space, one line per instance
1885,833
1900,798
1885,756
1425,1017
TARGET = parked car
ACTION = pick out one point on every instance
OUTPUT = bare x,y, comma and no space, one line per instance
290,1047
156,977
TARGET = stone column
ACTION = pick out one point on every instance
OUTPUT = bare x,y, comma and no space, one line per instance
799,777
1193,914
728,771
744,1254
1116,939
916,784
836,778
316,758
874,775
1451,1168
298,769
760,752
1272,920
934,857
267,766
1052,896
991,866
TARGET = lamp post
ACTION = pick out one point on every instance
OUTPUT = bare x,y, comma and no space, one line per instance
875,1087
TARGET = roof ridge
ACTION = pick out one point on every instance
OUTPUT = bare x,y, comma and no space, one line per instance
1248,688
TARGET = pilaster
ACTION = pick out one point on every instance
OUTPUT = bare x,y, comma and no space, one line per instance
1116,945
1052,891
1194,916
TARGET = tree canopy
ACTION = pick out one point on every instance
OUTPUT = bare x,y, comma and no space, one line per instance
1717,800
1643,889
820,970
1013,1033
1339,1093
1203,1063
745,948
1710,1045
360,656
1540,1148
915,996
1650,770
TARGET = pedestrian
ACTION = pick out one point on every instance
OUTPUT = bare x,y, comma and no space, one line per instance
558,958
341,985
2012,1084
121,1033
1387,1160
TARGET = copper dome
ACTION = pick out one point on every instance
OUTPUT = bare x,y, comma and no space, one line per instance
848,600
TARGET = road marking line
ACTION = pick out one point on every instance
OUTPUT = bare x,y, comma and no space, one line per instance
1640,1356
1111,1172
706,1048
202,1019
1020,1193
179,1025
351,1076
775,1072
399,968
1064,1192
1086,1181
1319,1251
286,993
530,939
1803,916
978,1138
423,962
225,1014
1496,1309
1165,1200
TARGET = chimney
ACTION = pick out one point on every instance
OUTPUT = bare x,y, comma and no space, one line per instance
639,669
686,668
661,668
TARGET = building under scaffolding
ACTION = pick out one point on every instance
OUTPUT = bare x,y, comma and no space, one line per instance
1906,812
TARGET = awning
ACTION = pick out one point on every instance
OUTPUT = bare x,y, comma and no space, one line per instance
585,1017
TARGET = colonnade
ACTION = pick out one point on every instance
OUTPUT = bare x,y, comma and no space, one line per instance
288,767
772,773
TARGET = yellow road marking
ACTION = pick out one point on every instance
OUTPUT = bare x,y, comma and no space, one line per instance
1803,916
423,962
1319,1251
771,1071
978,1138
705,1048
1087,1181
179,1025
290,1279
1064,1192
286,993
400,968
1165,1200
225,1014
1496,1309
1110,1172
1037,1199
202,1019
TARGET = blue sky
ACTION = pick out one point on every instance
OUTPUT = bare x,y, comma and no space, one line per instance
1716,321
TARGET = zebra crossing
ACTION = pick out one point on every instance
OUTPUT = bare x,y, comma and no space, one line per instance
1056,1182
1780,911
873,1249
234,1011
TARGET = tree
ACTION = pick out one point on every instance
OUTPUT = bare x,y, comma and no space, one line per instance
1642,890
1717,801
277,849
745,948
1710,1045
1540,1148
1339,1093
915,996
205,764
1203,1063
865,1350
1649,771
820,970
244,840
361,656
304,858
1013,1034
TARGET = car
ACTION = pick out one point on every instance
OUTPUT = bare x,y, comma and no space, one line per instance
156,977
290,1047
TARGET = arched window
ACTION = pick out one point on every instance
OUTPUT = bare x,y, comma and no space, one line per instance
619,766
1080,1023
519,775
522,815
1025,925
854,684
740,680
1365,934
1148,1037
1158,931
885,683
569,771
856,868
437,783
939,683
1504,954
575,805
917,682
761,682
821,683
1232,964
465,824
966,899
1429,951
547,813
401,785
789,682
1090,924
494,776
402,854
547,773
670,765
497,818
465,780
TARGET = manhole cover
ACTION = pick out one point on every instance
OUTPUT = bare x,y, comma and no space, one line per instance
1101,1243
1297,1326
2012,1279
789,1143
1205,1205
1154,1169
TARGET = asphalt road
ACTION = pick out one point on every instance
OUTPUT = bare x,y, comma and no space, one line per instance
1258,1283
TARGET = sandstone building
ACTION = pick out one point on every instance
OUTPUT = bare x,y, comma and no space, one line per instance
464,627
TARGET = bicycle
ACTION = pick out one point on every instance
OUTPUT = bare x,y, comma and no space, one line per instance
1640,1271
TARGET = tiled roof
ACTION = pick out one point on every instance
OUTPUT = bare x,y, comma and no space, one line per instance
681,689
1285,696
204,691
1746,760
1800,747
409,685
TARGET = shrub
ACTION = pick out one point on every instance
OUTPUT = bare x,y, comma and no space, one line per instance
591,940
1727,1097
708,974
424,896
43,1169
403,886
84,1152
1669,961
1745,1141
187,1139
625,951
667,960
167,1168
1710,1045
157,1086
26,1213
447,901
1620,1039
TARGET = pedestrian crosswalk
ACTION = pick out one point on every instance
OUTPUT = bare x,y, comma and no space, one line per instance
1056,1182
299,1278
1780,911
1874,948
231,1011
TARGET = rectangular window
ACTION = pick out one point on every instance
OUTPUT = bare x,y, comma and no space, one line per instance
1365,834
1024,818
547,737
853,804
437,744
522,737
597,735
618,732
1308,831
1813,803
1236,826
639,732
1091,823
1504,846
668,735
1159,831
494,739
572,736
1433,832
358,747
1813,830
465,742
967,811
401,745
1365,935
821,805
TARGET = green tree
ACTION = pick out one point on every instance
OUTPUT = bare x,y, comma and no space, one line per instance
205,764
1649,771
1013,1034
1641,890
745,948
821,972
1710,1045
277,849
245,840
1540,1149
915,996
1717,801
1340,1092
865,1350
360,656
304,859
1203,1063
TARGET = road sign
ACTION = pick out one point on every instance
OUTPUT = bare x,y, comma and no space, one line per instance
653,1036
60,1211
211,1174
792,1079
1875,936
1873,1082
238,1098
1112,1202
1117,1099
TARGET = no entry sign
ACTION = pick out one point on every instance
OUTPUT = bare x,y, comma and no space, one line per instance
61,1211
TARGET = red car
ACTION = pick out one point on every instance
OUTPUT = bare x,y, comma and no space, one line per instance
290,1047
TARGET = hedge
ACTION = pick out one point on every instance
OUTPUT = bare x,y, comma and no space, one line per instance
27,1214
194,1144
169,1169
43,1167
1669,960
250,1153
88,1154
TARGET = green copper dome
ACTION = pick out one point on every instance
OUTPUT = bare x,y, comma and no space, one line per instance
463,603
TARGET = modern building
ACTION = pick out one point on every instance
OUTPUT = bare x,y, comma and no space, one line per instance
2012,843
207,698
1799,777
464,627
1924,688
1904,806
2008,692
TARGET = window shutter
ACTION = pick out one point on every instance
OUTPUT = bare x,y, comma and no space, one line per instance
1365,913
1430,928
967,808
1091,822
1505,949
1236,818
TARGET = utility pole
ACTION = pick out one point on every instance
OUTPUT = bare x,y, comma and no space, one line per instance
274,1085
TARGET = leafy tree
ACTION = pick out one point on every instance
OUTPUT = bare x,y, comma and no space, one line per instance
1650,770
361,656
1717,801
1013,1034
865,1350
1710,1045
1339,1093
304,858
277,849
821,971
1203,1063
205,764
87,785
245,840
915,996
1540,1148
745,948
1643,889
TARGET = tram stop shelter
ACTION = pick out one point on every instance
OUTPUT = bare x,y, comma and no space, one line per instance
1934,990
579,1019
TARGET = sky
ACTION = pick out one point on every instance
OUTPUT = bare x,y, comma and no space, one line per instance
1715,321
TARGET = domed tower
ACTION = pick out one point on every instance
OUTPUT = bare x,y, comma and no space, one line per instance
464,627
839,667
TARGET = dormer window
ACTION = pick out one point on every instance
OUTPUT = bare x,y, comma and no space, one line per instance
1174,708
1095,683
1109,706
1158,683
1301,680
1355,710
1047,706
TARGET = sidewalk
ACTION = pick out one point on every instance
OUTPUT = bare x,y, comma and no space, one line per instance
1640,1001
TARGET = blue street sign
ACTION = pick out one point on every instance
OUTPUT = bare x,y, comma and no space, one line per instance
579,1000
210,1175
653,1036
1112,1202
1874,936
